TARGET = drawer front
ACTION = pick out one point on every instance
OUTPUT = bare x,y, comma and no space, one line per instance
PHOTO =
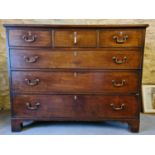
120,38
76,59
28,37
70,82
75,38
76,107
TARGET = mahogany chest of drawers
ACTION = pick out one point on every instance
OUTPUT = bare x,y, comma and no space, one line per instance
75,73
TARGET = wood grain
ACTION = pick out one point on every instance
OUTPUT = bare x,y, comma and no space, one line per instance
43,37
84,38
134,38
75,82
76,59
85,106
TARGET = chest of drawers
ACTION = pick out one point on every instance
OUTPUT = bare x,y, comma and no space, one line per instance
75,73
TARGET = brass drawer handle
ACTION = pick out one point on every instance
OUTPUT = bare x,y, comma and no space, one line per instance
117,61
30,107
121,38
75,38
32,82
31,59
121,84
29,37
121,107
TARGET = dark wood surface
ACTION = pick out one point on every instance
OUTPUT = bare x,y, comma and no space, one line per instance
32,37
75,106
75,82
134,38
73,59
77,26
84,38
75,72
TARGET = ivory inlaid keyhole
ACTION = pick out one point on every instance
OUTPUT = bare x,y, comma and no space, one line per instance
75,97
75,74
75,38
75,54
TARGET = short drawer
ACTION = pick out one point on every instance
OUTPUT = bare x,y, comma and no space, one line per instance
75,82
29,37
121,38
112,59
75,107
75,38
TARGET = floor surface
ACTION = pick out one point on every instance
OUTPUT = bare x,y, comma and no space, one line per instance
147,127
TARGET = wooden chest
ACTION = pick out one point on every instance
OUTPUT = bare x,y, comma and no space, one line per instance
75,72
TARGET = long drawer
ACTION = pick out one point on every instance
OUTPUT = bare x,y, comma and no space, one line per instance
105,59
78,81
75,106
